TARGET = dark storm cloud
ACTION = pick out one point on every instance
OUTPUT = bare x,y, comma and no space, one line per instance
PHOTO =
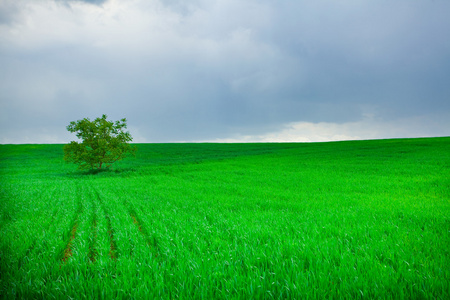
388,56
207,70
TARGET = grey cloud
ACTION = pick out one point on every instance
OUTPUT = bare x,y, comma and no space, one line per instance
202,70
97,2
8,12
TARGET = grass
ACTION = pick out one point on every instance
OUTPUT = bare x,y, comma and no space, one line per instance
359,219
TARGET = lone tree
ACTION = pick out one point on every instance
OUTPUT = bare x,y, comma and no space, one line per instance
102,143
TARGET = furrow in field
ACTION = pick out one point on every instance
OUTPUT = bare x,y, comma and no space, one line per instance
93,235
68,251
151,241
69,246
126,241
113,254
51,227
84,244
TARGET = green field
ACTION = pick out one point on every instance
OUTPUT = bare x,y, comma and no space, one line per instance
358,219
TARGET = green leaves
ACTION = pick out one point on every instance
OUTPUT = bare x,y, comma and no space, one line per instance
102,143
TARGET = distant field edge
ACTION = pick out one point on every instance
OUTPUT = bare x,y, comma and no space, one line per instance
274,142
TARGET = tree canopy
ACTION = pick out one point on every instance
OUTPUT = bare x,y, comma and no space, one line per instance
102,143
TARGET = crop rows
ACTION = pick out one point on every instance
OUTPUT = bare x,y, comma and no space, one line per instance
335,220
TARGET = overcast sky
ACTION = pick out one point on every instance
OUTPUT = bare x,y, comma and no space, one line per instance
226,70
